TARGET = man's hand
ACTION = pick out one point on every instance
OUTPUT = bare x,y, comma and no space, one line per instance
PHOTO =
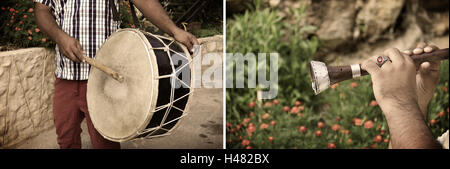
70,48
394,83
67,45
185,38
427,77
395,89
153,10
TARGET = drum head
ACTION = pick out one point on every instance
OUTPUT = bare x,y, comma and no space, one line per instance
119,110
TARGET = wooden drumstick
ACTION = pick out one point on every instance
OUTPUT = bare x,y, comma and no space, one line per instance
105,69
323,76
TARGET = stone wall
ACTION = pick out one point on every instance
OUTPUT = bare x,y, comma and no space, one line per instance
26,90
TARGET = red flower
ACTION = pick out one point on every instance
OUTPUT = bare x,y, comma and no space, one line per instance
245,121
373,103
44,40
378,139
331,146
228,125
265,115
20,22
382,132
297,103
25,16
386,140
336,127
248,147
441,114
318,133
245,142
29,32
37,30
368,124
3,8
337,119
131,26
320,124
300,108
252,104
30,38
302,129
7,24
432,121
275,102
349,140
267,104
270,138
357,121
353,85
239,138
444,88
230,140
30,10
333,86
251,114
263,126
286,108
238,127
294,110
250,130
273,122
11,10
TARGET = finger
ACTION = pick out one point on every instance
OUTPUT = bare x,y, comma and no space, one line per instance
408,52
395,55
188,45
424,68
73,57
370,66
430,48
79,52
419,48
194,40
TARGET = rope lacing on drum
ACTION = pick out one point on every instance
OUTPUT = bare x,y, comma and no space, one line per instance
173,79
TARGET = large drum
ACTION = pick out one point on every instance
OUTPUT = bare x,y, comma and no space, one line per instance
155,93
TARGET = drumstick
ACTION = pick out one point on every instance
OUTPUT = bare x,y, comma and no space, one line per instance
323,76
105,69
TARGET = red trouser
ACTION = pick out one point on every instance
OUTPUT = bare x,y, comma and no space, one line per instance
69,110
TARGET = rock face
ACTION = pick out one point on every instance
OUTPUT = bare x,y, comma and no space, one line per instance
361,28
26,91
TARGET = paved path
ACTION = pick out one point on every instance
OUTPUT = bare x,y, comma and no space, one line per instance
202,128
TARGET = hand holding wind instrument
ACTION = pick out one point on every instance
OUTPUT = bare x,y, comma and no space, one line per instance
323,76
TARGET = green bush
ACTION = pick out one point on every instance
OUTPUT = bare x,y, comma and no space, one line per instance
17,25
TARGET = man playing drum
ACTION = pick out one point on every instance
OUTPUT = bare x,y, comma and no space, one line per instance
79,28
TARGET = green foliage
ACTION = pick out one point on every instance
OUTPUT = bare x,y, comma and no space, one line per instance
263,31
17,25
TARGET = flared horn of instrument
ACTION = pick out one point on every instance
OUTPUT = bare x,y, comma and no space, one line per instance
323,76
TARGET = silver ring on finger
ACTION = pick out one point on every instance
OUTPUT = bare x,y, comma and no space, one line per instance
381,60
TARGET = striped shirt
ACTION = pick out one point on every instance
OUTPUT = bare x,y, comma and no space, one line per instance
88,21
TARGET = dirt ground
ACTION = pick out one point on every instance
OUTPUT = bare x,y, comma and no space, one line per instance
201,129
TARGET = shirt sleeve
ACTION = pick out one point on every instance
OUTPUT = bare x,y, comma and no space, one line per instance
45,2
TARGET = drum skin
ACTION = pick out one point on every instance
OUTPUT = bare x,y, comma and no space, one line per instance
122,111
